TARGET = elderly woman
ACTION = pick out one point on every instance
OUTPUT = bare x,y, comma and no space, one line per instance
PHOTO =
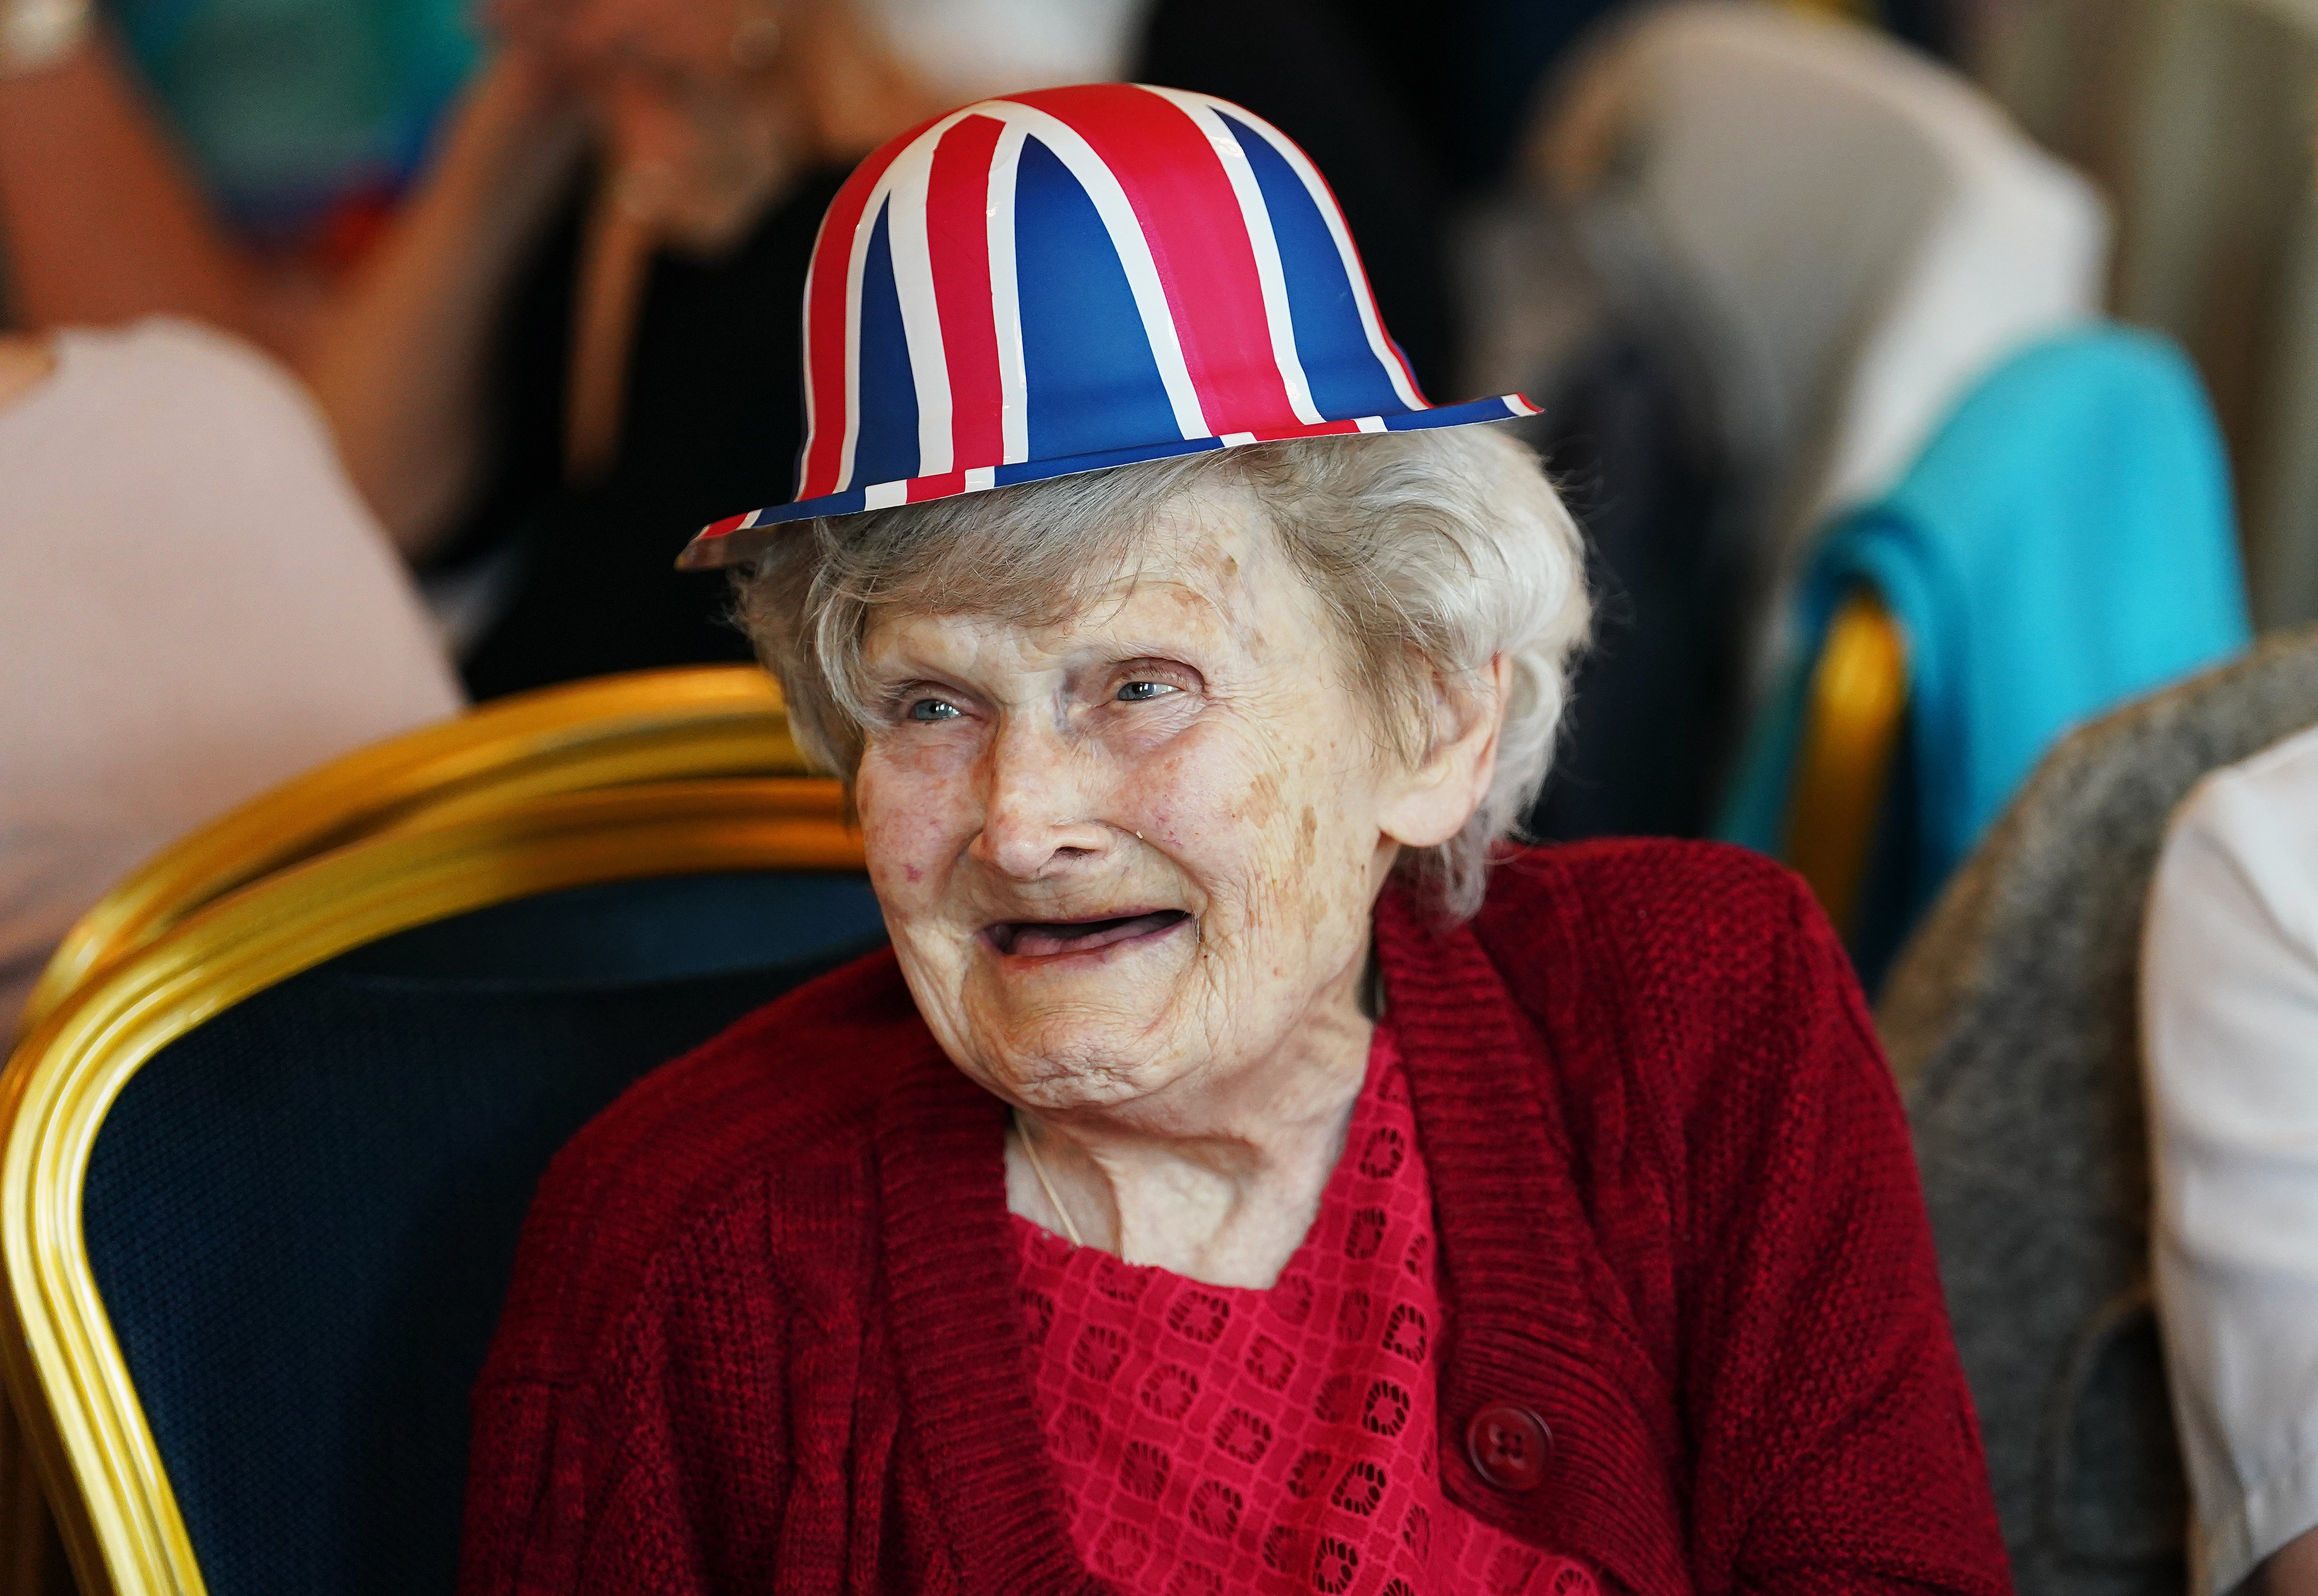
1246,1171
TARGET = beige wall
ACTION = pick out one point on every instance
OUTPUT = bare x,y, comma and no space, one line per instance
2197,118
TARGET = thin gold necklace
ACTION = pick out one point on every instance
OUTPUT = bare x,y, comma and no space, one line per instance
1030,1151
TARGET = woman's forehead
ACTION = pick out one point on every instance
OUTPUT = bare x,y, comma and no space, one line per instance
1207,580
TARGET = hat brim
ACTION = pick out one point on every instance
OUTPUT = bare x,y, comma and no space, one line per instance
738,539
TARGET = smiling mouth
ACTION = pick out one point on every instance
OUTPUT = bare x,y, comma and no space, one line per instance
1031,939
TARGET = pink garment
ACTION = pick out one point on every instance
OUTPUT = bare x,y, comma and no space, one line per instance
1222,1441
193,606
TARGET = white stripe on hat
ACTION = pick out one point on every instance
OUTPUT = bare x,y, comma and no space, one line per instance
1363,301
909,177
855,260
901,187
1269,271
1134,250
1006,298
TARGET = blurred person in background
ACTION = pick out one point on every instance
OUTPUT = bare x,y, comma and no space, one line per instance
2230,1022
530,372
195,606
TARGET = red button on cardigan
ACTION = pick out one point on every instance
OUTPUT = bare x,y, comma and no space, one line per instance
1508,1447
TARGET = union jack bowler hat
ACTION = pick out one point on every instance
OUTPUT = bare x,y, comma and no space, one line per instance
1072,279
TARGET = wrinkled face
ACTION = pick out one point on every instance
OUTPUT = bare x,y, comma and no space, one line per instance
1124,857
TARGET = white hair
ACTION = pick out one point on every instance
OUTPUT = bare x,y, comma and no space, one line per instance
1435,553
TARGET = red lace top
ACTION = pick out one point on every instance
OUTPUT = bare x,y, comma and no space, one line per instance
1216,1439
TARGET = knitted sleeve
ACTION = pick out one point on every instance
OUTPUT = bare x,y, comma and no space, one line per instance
1835,1443
685,1306
557,1501
1751,1181
662,1469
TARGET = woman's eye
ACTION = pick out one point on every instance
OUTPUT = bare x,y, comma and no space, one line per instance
1145,691
933,708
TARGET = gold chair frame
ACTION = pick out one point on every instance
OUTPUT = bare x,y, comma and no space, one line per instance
96,1455
659,725
1854,712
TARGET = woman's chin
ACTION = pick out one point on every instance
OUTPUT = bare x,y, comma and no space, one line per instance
1076,1036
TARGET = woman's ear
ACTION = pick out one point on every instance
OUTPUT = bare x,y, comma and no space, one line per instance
1426,806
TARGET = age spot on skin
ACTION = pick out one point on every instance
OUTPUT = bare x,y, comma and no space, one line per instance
1262,800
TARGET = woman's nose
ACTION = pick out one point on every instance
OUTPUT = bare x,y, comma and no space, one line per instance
1039,802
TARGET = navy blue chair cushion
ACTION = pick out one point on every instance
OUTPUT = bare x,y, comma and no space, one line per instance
301,1216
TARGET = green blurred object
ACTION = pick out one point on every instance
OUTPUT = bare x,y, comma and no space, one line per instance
293,109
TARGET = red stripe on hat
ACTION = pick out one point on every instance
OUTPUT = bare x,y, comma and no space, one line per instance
957,240
1316,429
947,485
1191,217
825,317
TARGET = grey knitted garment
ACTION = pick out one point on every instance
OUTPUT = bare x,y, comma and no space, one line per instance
2011,1023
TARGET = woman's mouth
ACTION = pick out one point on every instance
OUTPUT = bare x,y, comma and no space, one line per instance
1032,939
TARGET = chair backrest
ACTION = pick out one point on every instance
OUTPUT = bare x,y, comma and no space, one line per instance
2012,1021
1866,231
1854,718
660,725
262,1180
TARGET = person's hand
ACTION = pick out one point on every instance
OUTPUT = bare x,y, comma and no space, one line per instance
697,104
694,162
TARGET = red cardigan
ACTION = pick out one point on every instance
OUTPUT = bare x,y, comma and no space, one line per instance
762,1335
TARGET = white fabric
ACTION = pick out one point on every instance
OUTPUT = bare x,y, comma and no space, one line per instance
971,50
1864,231
2230,1019
193,606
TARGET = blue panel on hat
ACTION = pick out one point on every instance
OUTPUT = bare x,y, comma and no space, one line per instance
1346,379
886,451
1093,385
1046,471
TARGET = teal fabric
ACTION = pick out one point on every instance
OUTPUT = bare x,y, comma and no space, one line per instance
2063,543
289,106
